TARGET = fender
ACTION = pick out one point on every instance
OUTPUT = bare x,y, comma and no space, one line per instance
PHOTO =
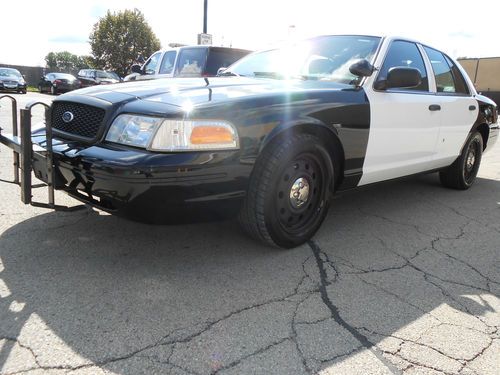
486,118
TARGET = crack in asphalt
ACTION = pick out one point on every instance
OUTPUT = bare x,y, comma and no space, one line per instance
336,315
257,352
322,260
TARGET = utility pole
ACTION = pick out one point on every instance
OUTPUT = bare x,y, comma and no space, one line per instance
205,38
205,7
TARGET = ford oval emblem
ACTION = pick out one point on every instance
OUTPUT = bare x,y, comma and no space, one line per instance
68,116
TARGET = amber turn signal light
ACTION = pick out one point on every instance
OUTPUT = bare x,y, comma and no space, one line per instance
211,134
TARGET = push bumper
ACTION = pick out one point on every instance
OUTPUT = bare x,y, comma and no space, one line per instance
149,187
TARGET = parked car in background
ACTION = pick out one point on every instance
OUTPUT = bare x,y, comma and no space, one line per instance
188,61
92,77
57,83
12,80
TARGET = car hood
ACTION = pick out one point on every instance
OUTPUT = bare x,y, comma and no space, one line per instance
10,78
195,91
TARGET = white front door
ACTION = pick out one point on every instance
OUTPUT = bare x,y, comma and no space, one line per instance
404,123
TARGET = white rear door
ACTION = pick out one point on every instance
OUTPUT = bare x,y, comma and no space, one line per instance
459,110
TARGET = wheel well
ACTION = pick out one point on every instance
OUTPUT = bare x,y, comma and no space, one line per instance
334,146
484,130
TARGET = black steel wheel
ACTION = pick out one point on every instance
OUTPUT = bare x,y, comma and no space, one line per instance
462,173
289,191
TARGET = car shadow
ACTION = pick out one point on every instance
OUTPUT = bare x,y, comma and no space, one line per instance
105,287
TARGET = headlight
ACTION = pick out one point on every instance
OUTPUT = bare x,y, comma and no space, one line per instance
159,134
133,130
186,135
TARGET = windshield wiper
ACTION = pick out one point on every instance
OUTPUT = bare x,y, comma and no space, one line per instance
275,75
228,73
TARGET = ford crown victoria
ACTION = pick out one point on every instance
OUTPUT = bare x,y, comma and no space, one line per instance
273,137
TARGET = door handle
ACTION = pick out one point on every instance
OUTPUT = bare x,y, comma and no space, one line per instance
434,107
472,108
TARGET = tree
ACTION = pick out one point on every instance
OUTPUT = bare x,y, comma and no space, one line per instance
118,38
66,62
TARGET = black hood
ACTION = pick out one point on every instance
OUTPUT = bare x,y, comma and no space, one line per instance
198,91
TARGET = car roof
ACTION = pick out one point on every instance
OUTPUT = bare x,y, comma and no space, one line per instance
202,47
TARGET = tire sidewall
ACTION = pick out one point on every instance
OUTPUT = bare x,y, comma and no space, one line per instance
280,236
475,137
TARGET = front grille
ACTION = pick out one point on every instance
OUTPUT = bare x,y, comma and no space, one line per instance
86,119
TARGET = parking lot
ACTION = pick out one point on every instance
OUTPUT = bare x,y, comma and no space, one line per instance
403,277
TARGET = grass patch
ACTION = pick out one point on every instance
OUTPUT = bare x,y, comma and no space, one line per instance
32,89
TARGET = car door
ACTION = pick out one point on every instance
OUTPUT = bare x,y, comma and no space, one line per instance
43,83
404,122
459,110
48,82
83,77
166,68
149,69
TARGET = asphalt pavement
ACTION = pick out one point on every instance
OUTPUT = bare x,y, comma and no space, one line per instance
403,277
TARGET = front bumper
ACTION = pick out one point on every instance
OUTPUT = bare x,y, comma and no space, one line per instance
493,136
145,186
17,87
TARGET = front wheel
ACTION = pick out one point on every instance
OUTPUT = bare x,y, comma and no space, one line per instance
289,191
462,173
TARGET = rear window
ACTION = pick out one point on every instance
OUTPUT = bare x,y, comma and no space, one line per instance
222,58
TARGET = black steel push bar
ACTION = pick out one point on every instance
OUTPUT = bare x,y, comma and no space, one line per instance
26,151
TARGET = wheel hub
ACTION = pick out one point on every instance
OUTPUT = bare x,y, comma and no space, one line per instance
471,159
299,193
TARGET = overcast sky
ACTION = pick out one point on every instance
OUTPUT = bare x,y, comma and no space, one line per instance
457,27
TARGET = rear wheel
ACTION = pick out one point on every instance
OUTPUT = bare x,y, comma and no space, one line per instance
289,191
462,173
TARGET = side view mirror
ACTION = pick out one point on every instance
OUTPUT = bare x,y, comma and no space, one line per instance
136,68
400,77
362,68
221,70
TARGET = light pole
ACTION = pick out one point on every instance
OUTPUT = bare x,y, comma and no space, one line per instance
205,6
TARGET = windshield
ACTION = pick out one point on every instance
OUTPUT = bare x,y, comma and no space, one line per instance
6,72
103,74
325,58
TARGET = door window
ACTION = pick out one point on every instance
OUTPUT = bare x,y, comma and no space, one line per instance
448,77
150,66
167,64
403,54
442,71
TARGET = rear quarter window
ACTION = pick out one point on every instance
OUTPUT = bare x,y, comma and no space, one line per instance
218,58
191,62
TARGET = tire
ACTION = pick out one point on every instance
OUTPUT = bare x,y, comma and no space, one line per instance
462,173
289,191
53,90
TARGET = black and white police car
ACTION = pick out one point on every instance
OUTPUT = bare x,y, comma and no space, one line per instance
274,136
